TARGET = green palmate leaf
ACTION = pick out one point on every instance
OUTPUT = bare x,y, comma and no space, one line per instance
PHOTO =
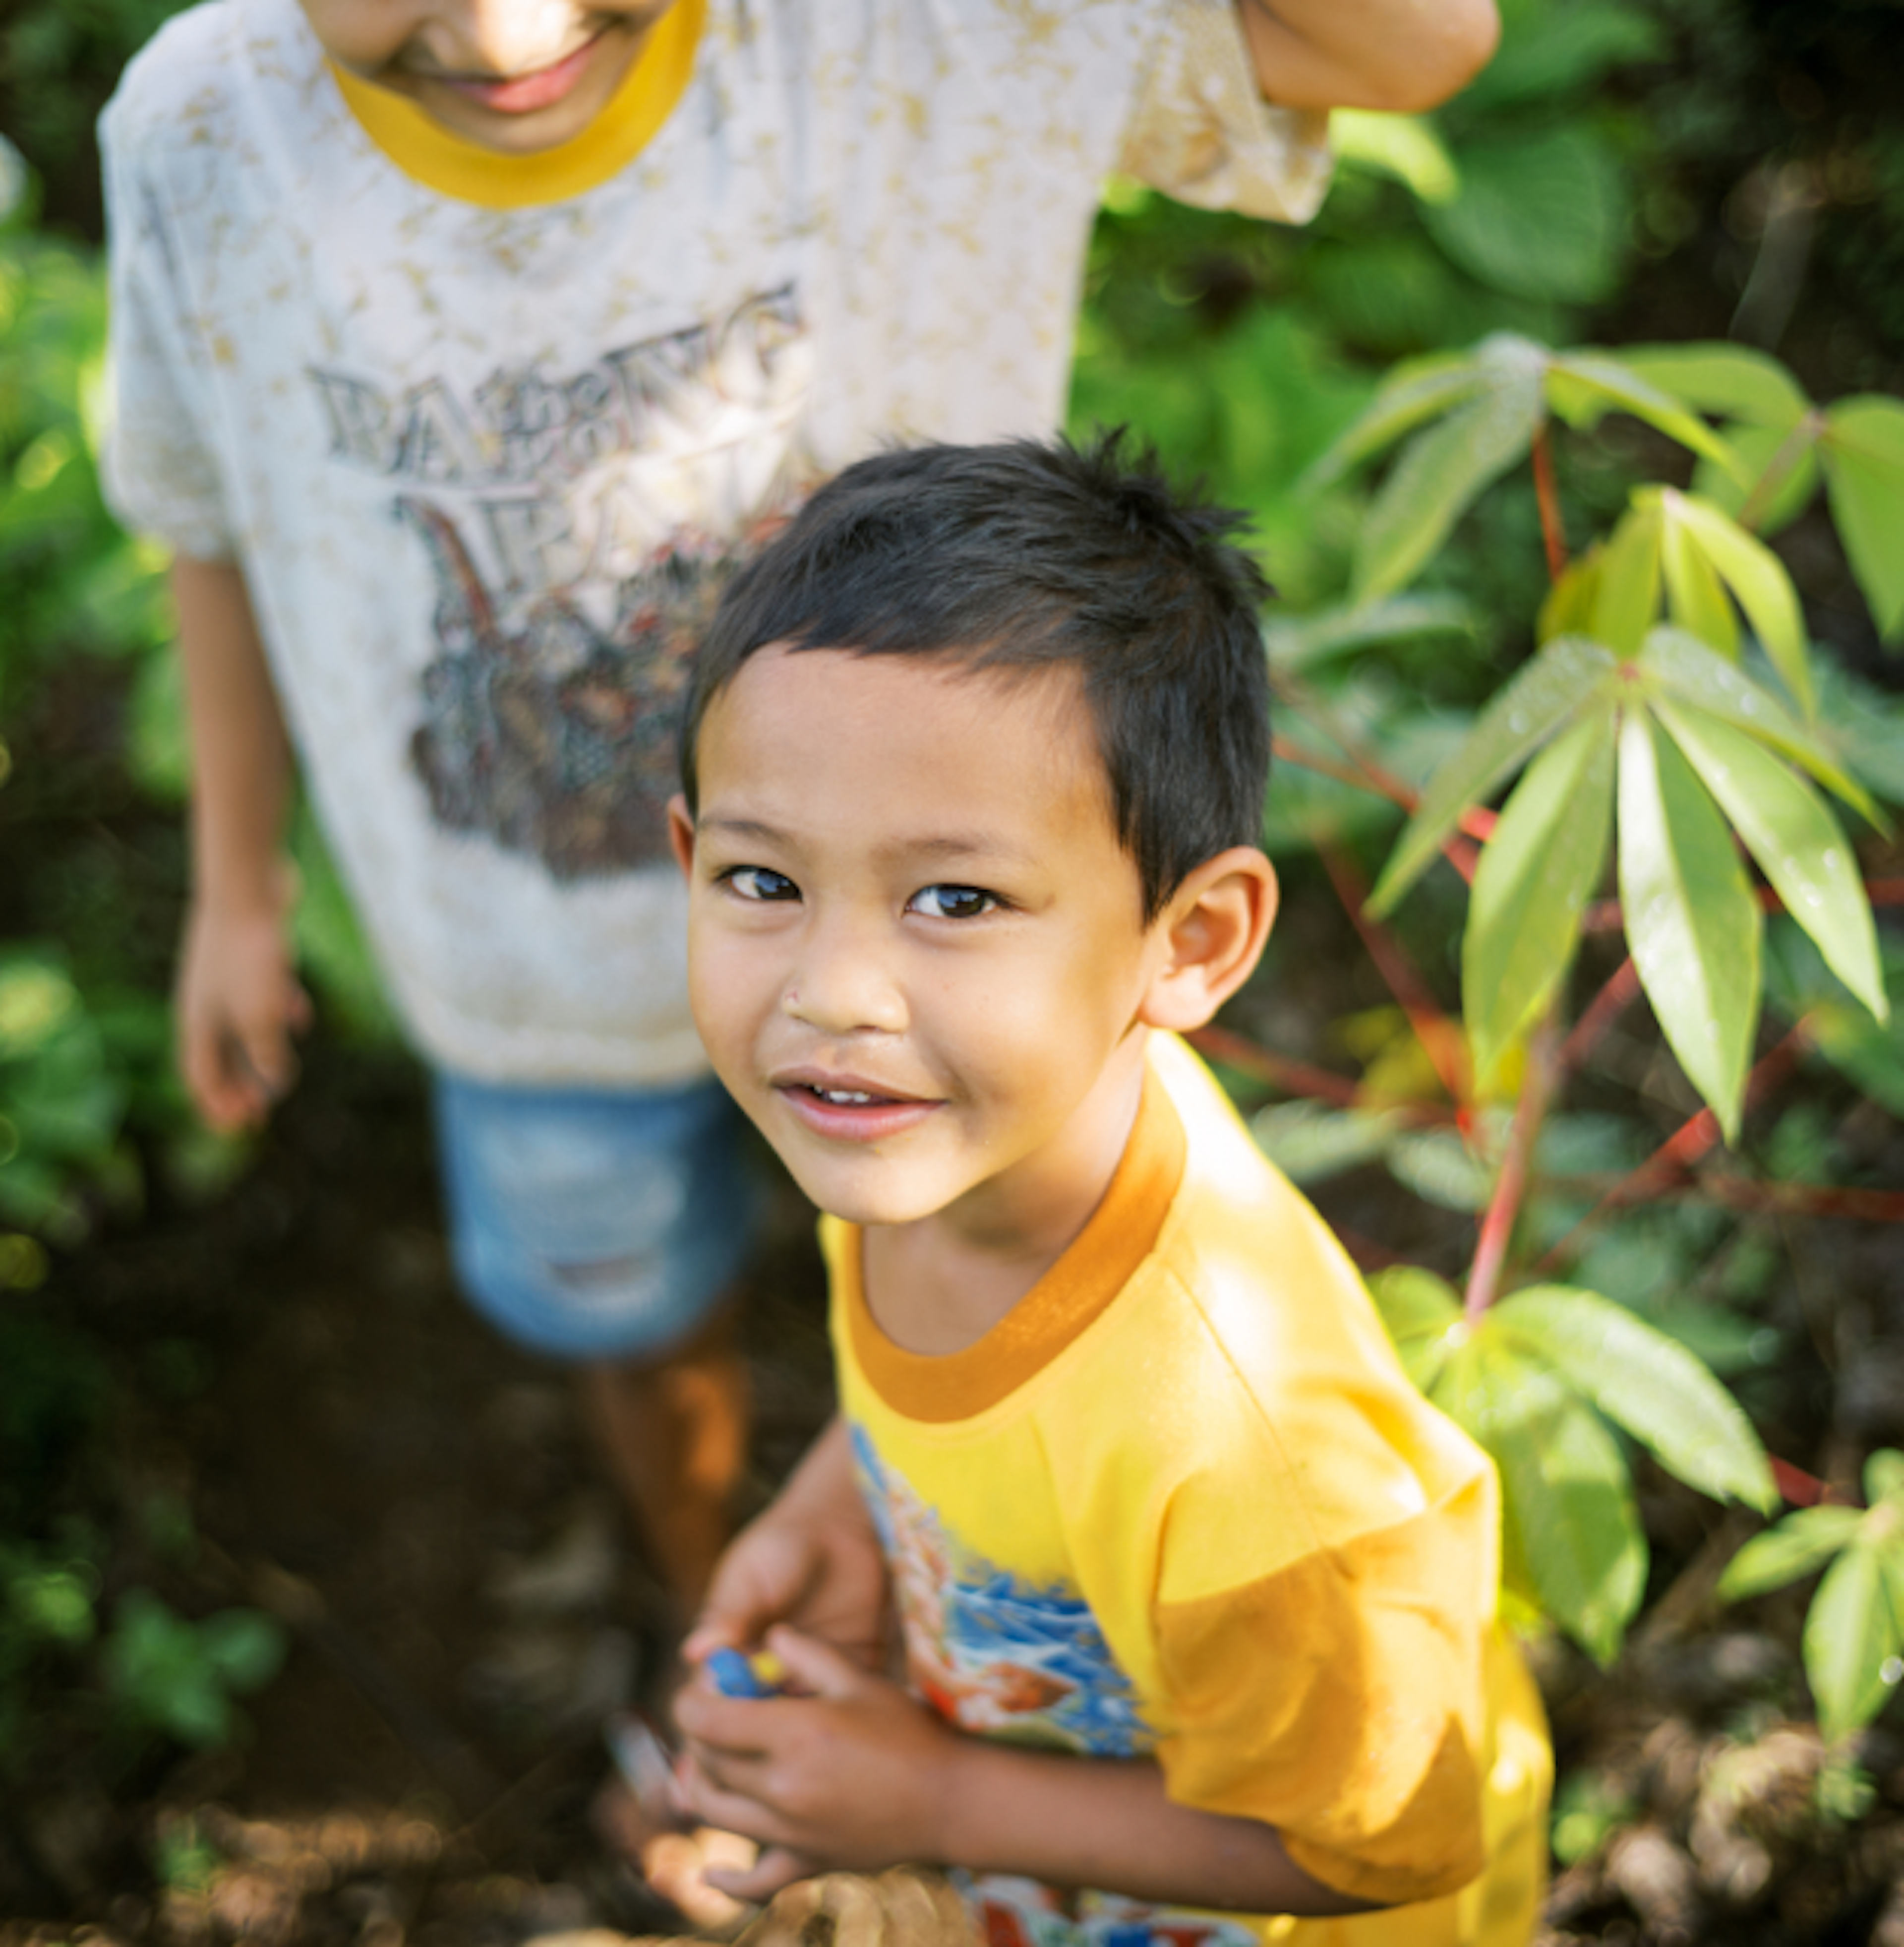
1441,472
1692,922
1543,697
1695,597
1568,1506
1626,589
1690,669
1729,380
1439,1168
1800,1545
1851,1636
1422,389
1647,1383
1423,1317
1582,386
1537,873
1757,576
1790,831
1777,472
1863,452
1870,1056
1568,608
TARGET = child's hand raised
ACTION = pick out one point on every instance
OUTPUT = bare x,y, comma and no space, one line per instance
852,1771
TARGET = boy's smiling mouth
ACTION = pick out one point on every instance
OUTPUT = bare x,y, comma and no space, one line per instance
851,1107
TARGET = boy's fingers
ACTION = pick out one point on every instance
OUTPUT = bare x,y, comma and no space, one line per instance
777,1867
713,1802
815,1666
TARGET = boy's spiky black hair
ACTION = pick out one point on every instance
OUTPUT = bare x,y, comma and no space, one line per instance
1024,555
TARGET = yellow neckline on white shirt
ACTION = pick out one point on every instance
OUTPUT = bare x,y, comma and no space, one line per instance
427,152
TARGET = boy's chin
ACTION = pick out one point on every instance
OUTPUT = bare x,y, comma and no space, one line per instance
865,1203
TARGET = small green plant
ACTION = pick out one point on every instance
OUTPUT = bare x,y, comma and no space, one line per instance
166,1674
1854,1633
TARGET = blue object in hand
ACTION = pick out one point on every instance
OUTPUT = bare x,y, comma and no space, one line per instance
735,1675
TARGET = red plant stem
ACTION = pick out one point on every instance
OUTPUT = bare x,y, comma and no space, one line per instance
1693,1139
1510,1187
1799,1489
1546,493
1292,1078
1799,1200
1619,993
1603,916
1437,1034
1363,773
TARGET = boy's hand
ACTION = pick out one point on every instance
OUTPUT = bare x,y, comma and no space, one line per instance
812,1560
238,1004
852,1773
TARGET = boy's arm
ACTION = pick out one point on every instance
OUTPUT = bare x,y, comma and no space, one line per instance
811,1559
859,1775
1392,54
238,1001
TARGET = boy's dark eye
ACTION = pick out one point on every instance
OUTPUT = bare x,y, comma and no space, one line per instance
761,882
951,901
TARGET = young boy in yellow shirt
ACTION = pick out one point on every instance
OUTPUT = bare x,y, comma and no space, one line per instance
460,347
1197,1593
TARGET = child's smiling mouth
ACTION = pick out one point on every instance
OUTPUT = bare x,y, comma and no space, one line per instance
849,1107
523,93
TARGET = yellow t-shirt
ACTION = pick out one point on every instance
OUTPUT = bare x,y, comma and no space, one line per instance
1183,1502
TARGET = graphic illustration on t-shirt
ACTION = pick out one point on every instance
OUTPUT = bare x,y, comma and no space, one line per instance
990,1651
578,530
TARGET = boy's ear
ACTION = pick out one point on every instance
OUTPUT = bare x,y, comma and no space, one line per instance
681,834
1212,933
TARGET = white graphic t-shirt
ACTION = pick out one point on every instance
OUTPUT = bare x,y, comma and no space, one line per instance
486,433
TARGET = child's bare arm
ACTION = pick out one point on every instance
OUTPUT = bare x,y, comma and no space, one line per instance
1396,54
238,1002
859,1775
810,1559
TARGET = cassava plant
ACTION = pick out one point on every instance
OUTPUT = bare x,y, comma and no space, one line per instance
1669,758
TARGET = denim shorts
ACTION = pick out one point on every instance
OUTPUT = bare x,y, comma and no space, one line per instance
595,1223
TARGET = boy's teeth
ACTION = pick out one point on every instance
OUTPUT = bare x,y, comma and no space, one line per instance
843,1096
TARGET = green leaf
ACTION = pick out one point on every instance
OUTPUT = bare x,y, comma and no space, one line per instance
1863,452
1301,641
1539,701
1695,597
1418,390
1647,1383
1423,1317
1688,668
1404,147
1884,1476
1438,1166
1568,1510
1758,578
1555,52
244,1646
1309,1144
1851,1635
1692,922
1800,1545
1626,591
1792,450
1790,831
1582,386
1716,377
1543,215
1440,472
1536,874
1870,1056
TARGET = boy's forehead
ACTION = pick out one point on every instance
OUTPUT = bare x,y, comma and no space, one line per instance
1009,732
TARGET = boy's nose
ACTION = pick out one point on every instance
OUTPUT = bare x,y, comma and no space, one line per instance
840,985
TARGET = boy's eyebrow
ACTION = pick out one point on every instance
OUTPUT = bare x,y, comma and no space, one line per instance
951,845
